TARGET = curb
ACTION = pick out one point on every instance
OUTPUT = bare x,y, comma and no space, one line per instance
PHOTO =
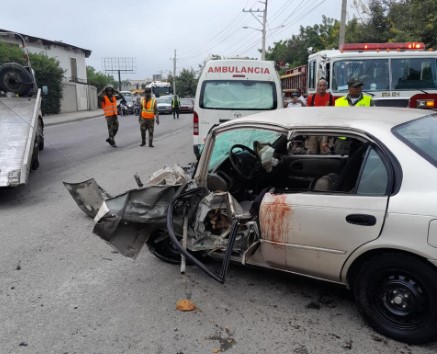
47,121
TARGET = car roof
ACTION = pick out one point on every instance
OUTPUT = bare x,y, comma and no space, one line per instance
363,118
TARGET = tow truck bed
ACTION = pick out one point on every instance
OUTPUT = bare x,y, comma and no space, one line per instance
18,126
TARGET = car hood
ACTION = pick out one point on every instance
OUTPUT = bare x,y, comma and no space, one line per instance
127,220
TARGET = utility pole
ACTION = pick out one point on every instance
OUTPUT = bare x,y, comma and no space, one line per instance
342,23
174,73
263,29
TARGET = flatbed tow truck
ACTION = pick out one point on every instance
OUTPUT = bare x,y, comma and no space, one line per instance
21,122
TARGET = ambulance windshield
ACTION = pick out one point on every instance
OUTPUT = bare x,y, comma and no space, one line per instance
241,95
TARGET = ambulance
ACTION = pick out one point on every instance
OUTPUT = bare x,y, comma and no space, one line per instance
233,88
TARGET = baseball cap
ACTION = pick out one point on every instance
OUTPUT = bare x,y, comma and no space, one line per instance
295,94
354,82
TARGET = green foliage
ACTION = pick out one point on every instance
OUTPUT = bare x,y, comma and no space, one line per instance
99,79
186,83
396,21
48,73
294,51
11,53
380,21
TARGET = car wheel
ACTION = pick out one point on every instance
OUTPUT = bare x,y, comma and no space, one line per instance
162,247
35,159
15,78
41,135
397,293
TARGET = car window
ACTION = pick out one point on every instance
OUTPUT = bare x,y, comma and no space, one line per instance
244,136
421,136
374,178
333,163
186,101
163,100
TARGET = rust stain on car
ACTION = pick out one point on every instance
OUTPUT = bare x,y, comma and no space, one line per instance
275,215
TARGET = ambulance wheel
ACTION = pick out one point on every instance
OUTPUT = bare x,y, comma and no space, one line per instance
15,78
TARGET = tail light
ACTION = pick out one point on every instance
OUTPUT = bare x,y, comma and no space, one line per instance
195,124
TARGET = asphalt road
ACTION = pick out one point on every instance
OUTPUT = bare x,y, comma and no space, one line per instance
63,290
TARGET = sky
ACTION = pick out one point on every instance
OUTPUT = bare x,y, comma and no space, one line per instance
149,32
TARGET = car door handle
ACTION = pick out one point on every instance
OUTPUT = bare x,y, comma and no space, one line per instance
361,219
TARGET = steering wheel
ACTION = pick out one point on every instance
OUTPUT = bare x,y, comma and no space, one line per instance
245,163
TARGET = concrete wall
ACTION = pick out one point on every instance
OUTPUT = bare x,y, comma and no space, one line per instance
78,97
92,98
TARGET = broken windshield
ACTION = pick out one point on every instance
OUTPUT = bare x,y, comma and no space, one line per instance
243,136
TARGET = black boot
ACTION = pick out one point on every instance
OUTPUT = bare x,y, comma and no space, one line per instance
143,138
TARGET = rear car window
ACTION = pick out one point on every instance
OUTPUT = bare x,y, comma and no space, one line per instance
421,136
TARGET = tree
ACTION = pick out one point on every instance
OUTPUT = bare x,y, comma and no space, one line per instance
294,51
48,73
98,79
414,20
395,21
11,53
186,83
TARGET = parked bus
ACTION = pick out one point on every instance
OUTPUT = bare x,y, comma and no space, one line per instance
395,74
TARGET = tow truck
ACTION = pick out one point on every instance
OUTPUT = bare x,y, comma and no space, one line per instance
21,122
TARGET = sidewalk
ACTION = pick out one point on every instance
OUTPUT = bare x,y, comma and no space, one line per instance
61,118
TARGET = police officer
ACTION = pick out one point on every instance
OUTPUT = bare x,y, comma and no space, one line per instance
175,105
148,112
355,96
108,102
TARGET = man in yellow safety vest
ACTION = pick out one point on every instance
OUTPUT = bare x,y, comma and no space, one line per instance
355,96
148,112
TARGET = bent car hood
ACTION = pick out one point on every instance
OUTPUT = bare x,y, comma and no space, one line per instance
127,220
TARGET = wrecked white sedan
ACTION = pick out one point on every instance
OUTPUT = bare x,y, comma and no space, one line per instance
346,195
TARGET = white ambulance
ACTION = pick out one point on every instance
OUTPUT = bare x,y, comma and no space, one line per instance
233,88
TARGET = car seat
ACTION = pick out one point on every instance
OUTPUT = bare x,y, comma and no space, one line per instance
345,181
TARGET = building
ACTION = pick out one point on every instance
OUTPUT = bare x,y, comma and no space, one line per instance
77,94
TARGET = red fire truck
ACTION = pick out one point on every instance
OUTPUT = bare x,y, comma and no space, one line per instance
395,74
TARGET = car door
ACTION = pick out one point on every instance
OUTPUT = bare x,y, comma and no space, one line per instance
313,232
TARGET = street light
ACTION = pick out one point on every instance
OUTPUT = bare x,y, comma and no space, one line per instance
263,46
263,31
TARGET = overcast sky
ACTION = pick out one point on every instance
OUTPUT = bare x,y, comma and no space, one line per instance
149,31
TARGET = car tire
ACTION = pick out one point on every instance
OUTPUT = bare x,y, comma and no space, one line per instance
15,78
41,135
35,160
396,293
161,246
